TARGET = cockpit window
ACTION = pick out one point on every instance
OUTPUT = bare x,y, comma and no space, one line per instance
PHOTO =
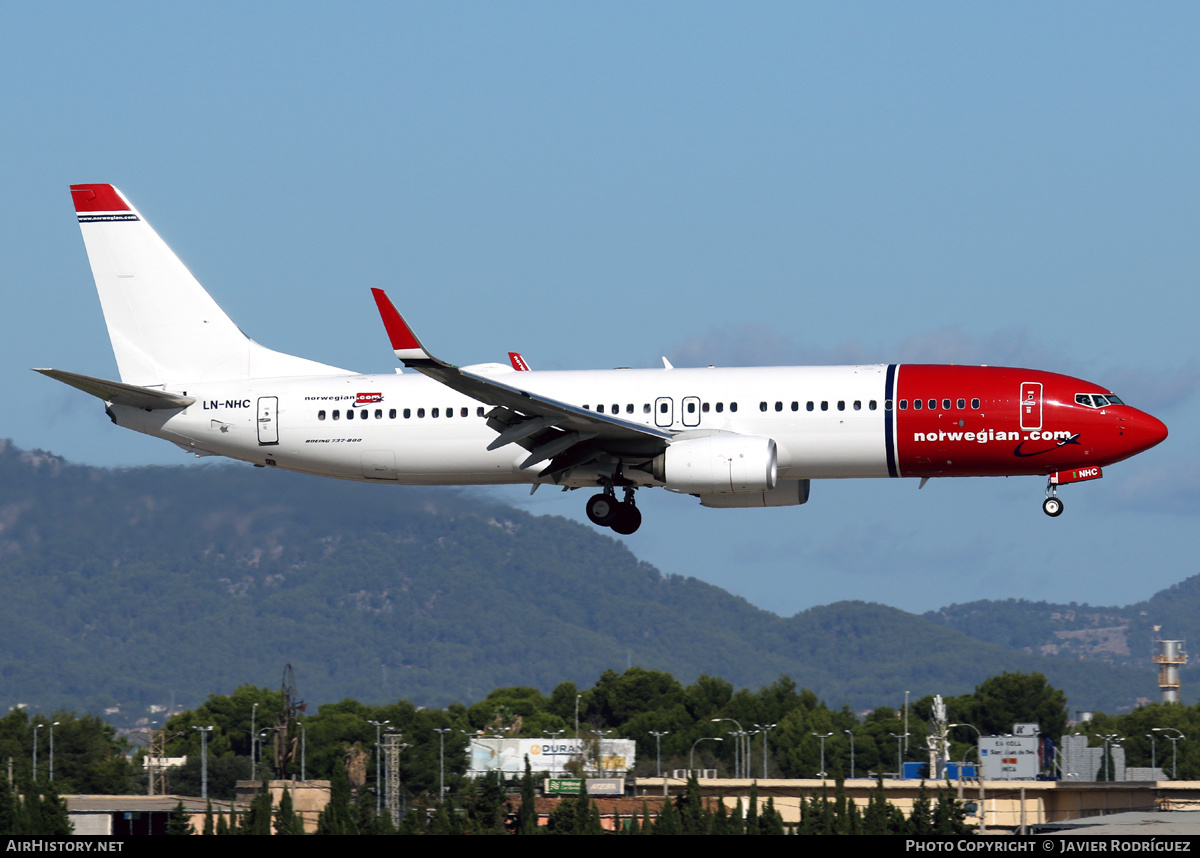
1097,400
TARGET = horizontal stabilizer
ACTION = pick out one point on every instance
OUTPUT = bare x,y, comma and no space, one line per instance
118,393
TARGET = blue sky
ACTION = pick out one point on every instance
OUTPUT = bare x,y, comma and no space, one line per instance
597,185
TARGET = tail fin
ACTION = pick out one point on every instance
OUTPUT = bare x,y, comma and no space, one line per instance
164,327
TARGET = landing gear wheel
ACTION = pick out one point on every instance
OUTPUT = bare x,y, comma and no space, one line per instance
602,509
628,520
1052,506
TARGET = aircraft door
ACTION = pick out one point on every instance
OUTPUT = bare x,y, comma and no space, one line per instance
268,425
664,412
1031,405
691,411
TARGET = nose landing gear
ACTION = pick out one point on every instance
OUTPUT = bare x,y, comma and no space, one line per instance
1052,506
605,510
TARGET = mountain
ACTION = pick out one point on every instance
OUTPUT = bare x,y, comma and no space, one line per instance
1119,636
135,586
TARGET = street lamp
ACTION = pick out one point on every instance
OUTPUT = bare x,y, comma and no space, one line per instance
822,736
850,733
658,749
899,737
1174,747
692,755
253,739
737,766
1108,738
36,727
765,728
53,724
554,734
203,731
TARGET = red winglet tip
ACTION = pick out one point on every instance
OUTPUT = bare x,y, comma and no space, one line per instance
98,198
398,332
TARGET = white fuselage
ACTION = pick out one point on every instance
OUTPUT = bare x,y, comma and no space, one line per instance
407,428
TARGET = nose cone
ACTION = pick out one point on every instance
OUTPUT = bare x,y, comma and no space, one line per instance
1144,431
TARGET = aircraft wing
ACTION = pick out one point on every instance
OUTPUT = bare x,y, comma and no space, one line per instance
548,428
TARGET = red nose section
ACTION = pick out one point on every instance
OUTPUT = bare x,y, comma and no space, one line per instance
1145,431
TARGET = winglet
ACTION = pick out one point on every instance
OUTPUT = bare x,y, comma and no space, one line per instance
404,342
518,362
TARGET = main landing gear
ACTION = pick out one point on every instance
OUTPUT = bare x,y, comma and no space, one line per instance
606,511
1052,506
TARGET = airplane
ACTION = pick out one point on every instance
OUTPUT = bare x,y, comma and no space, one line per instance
747,437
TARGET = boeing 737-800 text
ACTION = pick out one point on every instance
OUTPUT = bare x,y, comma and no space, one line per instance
737,437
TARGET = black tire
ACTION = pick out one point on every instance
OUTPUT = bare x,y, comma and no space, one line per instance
1052,506
602,509
628,520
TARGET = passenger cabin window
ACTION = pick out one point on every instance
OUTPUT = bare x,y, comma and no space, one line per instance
733,406
420,412
762,406
720,407
841,405
962,403
858,405
975,404
918,405
778,406
321,415
337,414
808,406
824,405
392,414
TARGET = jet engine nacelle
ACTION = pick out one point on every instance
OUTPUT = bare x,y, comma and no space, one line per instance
786,493
720,463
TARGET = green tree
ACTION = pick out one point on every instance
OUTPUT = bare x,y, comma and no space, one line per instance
180,822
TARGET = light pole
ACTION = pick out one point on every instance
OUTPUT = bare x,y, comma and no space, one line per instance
899,737
554,734
737,768
53,724
253,739
765,728
378,754
1108,738
203,731
600,734
36,727
442,731
303,750
692,755
1174,747
850,733
1153,752
822,736
658,750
